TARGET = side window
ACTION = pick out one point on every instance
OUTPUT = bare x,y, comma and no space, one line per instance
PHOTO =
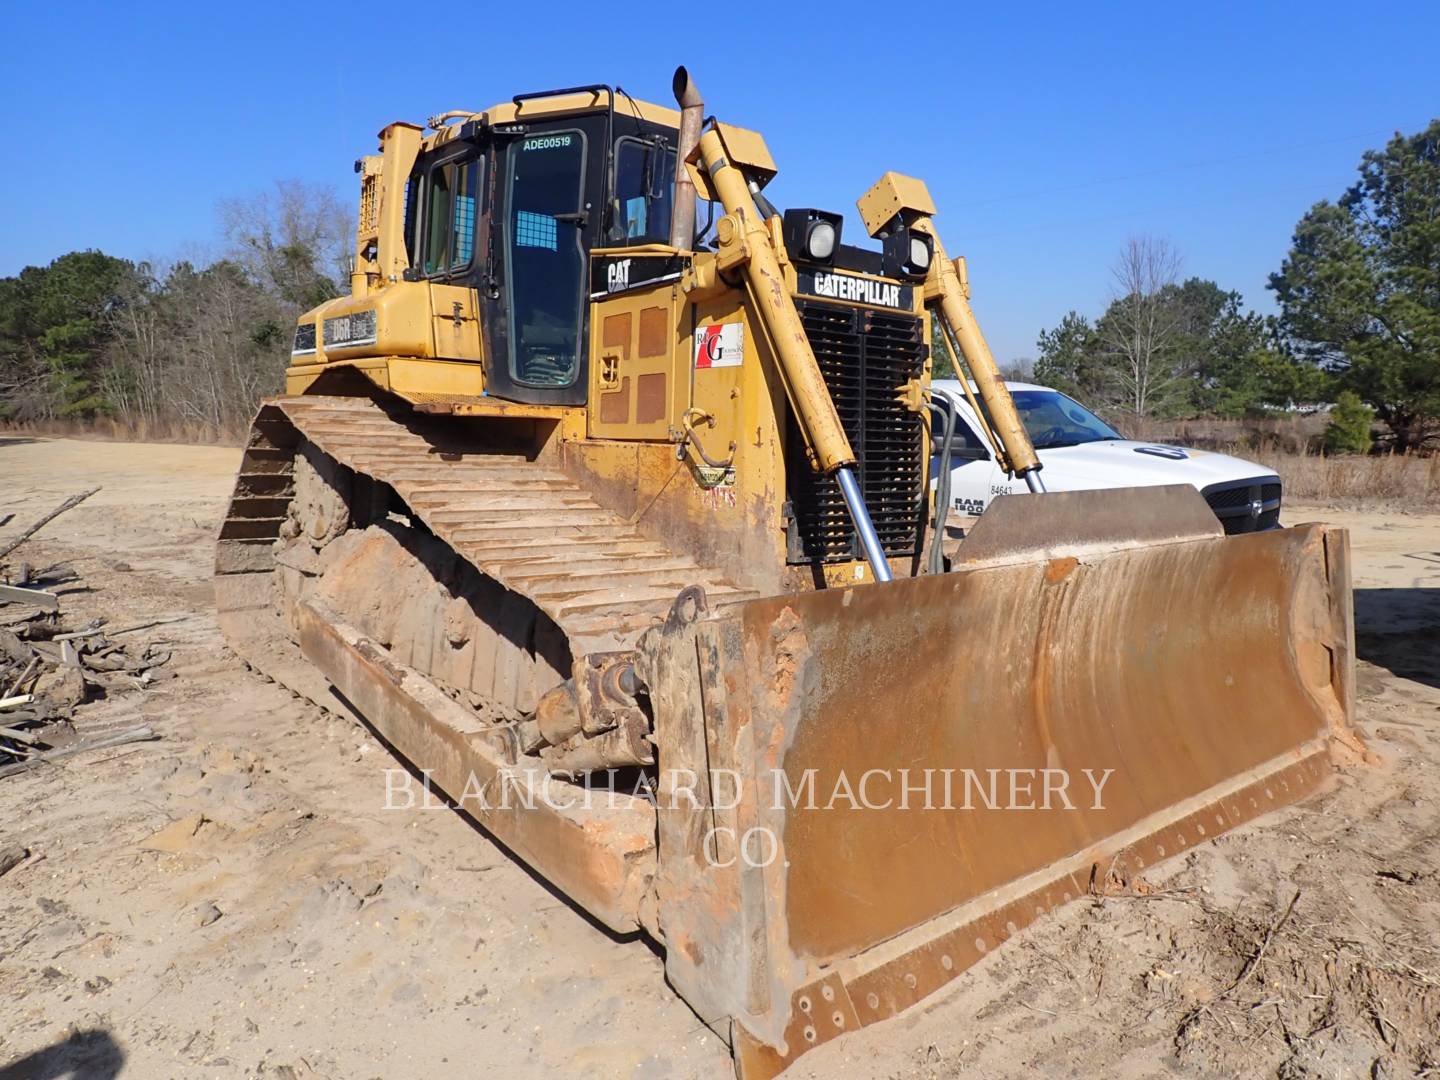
439,221
412,238
448,229
642,192
966,440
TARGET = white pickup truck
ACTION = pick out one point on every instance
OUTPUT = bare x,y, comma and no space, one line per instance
1081,451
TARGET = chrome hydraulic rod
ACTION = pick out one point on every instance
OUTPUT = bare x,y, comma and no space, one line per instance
864,528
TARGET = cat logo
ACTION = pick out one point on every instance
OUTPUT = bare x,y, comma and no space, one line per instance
858,289
617,276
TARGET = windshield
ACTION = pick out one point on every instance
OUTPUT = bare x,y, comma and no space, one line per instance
1054,420
644,182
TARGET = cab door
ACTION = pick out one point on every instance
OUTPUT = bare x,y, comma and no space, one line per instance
540,237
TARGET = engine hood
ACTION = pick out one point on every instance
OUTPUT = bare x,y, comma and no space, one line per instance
1125,463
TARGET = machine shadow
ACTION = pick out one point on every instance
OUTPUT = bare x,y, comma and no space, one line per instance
84,1055
1399,630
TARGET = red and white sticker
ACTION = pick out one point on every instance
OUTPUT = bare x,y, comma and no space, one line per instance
722,345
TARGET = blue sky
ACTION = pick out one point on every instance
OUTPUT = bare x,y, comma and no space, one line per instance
1048,135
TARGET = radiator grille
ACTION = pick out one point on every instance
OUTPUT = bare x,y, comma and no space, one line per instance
866,356
1246,506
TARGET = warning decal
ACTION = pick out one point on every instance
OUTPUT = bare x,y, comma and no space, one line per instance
722,345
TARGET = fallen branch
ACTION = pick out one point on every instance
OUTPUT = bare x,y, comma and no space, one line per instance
69,504
11,858
76,634
34,660
1254,962
146,625
129,735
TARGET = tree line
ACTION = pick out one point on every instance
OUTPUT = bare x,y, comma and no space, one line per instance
183,348
1358,325
193,347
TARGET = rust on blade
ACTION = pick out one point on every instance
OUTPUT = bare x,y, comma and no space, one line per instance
1060,524
944,759
1175,666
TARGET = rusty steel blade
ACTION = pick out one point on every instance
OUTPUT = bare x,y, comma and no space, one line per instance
1200,683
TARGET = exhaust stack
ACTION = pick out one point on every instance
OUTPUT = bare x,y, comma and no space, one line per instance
682,210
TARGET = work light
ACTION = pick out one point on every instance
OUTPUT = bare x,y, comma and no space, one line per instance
906,254
811,235
919,253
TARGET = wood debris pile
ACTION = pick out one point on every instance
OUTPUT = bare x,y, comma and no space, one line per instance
47,668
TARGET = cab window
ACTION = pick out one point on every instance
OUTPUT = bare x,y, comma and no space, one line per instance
546,257
642,191
412,235
449,227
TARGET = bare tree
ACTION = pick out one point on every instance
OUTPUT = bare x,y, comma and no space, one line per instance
195,348
1143,327
295,240
1020,369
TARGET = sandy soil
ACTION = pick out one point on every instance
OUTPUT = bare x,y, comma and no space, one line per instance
355,942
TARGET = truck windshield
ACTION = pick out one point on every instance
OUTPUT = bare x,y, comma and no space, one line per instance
1054,420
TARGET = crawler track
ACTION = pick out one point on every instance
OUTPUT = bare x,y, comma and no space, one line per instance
519,521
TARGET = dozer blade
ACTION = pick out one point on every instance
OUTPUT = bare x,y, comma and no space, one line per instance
863,791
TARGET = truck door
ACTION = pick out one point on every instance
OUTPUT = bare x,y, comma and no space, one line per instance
972,468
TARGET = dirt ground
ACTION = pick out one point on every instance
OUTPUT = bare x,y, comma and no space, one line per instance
234,900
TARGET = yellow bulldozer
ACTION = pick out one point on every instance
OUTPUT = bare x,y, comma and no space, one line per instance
604,498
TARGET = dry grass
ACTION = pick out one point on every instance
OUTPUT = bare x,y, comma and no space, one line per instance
1406,481
1321,996
1289,434
1292,446
110,430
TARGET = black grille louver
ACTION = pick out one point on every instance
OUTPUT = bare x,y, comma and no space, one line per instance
866,356
1246,506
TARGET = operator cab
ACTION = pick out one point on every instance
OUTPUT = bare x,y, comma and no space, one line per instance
513,210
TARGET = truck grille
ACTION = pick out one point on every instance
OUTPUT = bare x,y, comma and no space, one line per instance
866,356
1246,506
